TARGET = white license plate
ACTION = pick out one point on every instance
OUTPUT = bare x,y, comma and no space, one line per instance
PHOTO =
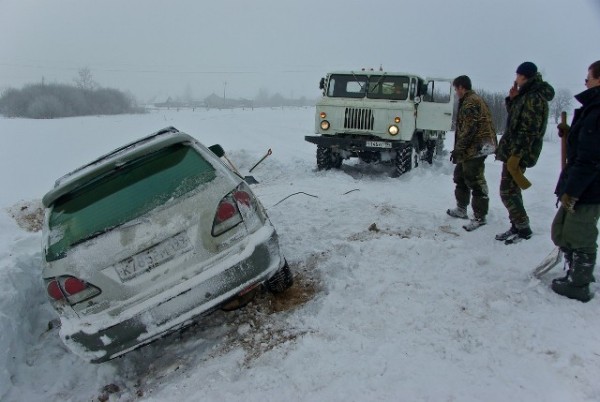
379,144
154,256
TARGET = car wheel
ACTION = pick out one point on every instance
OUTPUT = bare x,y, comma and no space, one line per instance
281,281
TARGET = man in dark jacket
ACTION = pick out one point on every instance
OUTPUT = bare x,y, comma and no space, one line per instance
574,228
521,144
474,139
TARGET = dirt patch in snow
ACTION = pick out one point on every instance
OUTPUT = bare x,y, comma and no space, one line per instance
29,215
260,326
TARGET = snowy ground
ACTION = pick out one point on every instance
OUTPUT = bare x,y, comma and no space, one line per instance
412,308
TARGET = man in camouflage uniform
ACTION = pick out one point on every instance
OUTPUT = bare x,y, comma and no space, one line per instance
575,226
521,144
474,139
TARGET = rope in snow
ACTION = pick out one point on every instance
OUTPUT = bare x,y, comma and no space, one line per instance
310,195
299,192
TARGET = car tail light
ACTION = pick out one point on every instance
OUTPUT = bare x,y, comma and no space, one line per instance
242,197
54,290
70,289
227,216
237,207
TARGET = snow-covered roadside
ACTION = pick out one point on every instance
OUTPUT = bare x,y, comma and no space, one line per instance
409,306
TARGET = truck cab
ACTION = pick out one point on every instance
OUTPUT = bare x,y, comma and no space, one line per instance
378,116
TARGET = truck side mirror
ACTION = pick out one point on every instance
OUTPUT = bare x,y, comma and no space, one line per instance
322,83
217,150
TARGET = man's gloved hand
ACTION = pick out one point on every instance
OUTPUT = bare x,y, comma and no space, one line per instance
563,129
568,202
454,157
512,165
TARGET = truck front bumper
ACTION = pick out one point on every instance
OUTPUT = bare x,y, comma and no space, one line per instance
355,143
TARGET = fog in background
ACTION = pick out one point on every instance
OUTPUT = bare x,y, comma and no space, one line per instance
237,48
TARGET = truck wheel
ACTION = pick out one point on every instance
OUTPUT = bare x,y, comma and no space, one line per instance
406,159
439,146
430,153
281,281
327,159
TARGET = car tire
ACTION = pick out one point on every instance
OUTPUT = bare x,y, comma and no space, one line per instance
281,281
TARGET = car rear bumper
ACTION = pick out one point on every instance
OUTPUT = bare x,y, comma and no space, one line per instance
193,299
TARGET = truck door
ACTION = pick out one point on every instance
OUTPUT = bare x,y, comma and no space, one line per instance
437,106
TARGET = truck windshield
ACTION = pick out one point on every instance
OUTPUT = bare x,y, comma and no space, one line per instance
378,86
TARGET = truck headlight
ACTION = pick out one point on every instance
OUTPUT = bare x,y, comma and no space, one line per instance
393,129
324,125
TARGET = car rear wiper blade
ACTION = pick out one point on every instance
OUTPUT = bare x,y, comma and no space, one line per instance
90,236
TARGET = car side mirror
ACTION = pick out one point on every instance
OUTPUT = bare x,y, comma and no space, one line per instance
322,83
217,150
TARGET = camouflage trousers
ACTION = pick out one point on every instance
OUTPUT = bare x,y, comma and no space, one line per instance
469,177
511,197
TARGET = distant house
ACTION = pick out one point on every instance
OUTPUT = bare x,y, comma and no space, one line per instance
215,101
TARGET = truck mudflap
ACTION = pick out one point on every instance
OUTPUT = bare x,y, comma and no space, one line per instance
355,144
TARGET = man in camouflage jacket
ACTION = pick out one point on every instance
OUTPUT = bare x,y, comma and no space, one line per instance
474,139
521,144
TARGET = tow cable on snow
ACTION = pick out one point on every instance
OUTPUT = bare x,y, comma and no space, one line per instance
310,195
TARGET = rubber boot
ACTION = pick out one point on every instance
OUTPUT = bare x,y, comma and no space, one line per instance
577,285
568,256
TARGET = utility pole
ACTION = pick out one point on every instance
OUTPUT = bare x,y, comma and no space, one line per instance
224,86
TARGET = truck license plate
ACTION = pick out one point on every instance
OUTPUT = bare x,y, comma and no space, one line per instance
379,144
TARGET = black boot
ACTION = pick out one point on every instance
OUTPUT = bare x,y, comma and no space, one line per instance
577,283
505,235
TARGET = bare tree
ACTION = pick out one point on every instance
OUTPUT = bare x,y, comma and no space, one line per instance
561,102
497,104
85,80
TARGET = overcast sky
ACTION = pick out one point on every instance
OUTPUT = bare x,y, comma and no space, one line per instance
159,48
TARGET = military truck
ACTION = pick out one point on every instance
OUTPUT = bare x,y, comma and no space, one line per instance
377,116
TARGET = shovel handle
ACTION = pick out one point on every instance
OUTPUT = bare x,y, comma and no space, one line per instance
269,152
563,141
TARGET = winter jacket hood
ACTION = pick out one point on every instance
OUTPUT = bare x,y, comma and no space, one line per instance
538,86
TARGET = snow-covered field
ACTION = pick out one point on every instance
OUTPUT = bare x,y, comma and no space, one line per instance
393,301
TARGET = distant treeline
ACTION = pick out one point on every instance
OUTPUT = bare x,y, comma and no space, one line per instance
48,101
497,104
496,101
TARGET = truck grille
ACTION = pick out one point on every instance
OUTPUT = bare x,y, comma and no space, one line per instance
358,119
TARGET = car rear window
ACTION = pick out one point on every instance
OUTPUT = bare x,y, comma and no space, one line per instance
123,194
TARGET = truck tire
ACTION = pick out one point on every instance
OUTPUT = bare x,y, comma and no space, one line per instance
431,151
327,159
406,159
